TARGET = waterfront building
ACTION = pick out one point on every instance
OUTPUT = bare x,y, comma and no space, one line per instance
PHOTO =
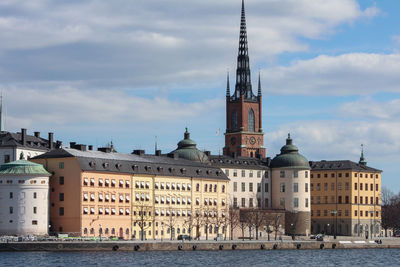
290,188
345,198
15,146
105,193
24,198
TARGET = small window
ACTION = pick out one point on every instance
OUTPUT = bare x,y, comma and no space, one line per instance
11,209
61,180
34,195
61,165
296,174
61,211
34,222
296,202
282,174
243,187
34,210
295,187
11,195
61,197
282,188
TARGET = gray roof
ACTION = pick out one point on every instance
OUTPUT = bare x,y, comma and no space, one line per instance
238,162
334,165
135,164
9,139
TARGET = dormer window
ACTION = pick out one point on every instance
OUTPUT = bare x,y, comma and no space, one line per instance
105,165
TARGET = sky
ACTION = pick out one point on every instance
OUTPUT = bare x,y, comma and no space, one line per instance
96,71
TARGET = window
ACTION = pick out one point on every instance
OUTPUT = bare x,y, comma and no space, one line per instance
355,199
282,188
361,213
325,175
376,187
34,210
215,188
372,187
296,174
355,213
11,194
251,173
325,186
318,175
282,174
34,222
266,203
332,199
251,122
11,209
346,186
295,187
340,175
250,202
332,175
340,199
61,197
234,173
361,186
6,158
366,187
243,173
372,200
258,174
197,187
318,187
61,165
312,187
306,203
250,187
306,187
377,201
325,213
339,186
366,200
61,211
34,195
243,202
306,174
205,188
243,187
346,213
355,186
258,187
296,202
282,202
61,180
318,200
223,188
266,186
347,199
325,199
234,186
234,121
361,200
347,174
333,186
235,204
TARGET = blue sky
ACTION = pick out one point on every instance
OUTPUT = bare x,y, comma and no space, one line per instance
127,71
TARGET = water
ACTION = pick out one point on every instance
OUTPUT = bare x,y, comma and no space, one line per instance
338,257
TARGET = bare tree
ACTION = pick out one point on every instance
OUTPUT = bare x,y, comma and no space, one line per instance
142,217
233,219
171,222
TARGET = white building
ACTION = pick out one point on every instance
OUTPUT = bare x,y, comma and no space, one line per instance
24,198
15,146
291,188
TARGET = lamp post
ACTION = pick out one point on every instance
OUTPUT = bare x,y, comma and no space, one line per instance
292,230
334,213
371,213
100,230
242,231
327,228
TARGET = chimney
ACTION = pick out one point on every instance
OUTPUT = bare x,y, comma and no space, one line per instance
72,144
23,136
58,144
104,149
37,134
90,147
208,153
173,155
51,141
158,152
138,152
268,161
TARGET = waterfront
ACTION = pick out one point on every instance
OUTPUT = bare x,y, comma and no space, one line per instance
342,257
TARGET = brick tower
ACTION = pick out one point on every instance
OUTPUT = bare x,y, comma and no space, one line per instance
244,135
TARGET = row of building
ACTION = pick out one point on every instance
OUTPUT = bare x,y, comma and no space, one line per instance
243,193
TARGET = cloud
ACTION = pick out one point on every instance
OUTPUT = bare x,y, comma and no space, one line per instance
396,38
69,107
346,74
154,43
371,109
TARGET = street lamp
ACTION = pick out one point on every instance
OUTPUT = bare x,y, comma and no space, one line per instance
333,213
292,230
100,230
327,228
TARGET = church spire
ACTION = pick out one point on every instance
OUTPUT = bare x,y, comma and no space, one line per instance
228,89
243,80
1,113
259,84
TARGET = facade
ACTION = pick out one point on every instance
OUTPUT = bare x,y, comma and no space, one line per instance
346,198
291,188
244,134
24,198
15,146
135,195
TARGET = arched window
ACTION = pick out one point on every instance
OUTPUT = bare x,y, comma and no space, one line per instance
234,121
106,232
113,231
251,121
127,231
92,231
85,231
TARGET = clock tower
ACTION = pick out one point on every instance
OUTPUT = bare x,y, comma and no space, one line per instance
244,135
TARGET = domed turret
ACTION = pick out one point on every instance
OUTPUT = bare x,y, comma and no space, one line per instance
187,150
289,157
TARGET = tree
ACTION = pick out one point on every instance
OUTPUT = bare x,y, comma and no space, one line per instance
142,217
170,222
233,219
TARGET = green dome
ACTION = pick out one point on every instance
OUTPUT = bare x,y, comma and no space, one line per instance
290,157
23,167
187,150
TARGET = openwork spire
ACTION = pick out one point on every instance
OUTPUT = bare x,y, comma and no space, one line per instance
259,84
362,159
243,80
228,89
1,113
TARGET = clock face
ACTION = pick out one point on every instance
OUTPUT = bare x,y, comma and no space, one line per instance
233,140
252,140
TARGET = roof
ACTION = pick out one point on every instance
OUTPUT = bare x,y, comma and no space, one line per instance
23,167
9,139
162,165
238,162
187,150
335,165
289,157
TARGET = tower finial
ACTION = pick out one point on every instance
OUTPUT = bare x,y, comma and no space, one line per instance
228,89
259,83
1,112
362,159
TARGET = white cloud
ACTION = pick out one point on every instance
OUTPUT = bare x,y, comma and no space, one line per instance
347,74
371,109
396,38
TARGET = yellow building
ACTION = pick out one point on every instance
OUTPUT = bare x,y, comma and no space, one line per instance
104,193
345,198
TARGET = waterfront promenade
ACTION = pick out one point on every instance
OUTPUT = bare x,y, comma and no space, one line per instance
175,245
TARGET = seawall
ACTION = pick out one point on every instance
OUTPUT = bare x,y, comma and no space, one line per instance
64,246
